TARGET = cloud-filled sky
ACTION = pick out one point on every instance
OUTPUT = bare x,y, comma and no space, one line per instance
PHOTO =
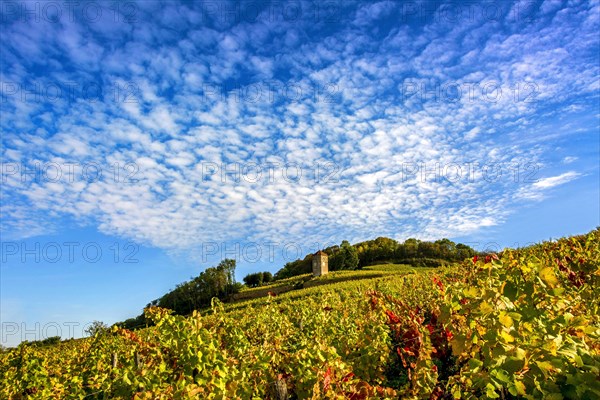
171,125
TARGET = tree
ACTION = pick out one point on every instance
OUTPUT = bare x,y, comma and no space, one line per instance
267,277
135,323
258,279
294,268
446,248
254,280
228,267
336,261
463,251
411,247
194,294
96,327
198,292
350,255
345,258
427,249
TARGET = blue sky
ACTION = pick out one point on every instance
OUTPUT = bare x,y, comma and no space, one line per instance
145,142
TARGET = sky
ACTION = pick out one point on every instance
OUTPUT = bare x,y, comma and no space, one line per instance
145,141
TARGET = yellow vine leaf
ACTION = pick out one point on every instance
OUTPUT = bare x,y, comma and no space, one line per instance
548,277
505,319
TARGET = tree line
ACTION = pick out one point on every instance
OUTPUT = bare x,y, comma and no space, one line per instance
196,293
258,279
412,251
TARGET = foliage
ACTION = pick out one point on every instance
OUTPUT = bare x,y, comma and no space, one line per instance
195,294
258,279
295,268
521,324
345,258
95,328
49,341
424,262
527,322
412,251
134,323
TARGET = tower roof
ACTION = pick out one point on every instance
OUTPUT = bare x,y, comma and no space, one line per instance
320,252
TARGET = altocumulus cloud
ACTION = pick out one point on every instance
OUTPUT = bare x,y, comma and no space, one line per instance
174,123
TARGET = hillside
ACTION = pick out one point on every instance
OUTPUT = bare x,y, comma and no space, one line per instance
304,281
197,293
520,324
412,251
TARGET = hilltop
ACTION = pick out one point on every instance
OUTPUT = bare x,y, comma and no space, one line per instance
197,294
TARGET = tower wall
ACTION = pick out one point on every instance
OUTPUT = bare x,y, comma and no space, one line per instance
320,264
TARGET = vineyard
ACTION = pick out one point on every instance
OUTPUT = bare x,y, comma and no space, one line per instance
521,324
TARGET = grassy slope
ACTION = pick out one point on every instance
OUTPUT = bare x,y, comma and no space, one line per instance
299,284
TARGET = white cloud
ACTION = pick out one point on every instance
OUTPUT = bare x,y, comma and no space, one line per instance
352,126
553,181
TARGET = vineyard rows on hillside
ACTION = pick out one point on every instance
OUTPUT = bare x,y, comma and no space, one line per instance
521,324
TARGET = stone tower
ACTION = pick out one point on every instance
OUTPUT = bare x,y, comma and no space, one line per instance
320,263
